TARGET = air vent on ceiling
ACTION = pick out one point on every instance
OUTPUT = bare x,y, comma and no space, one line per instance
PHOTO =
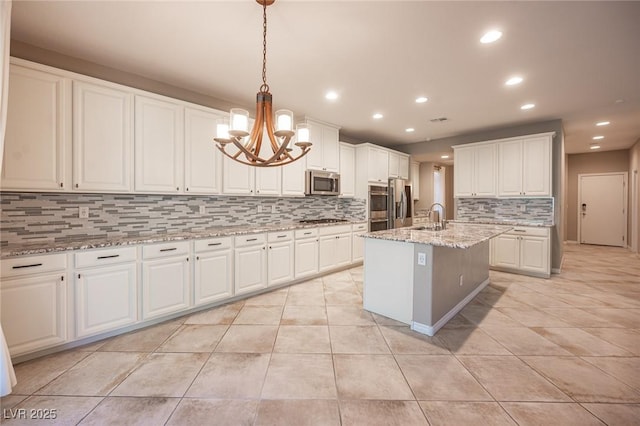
439,119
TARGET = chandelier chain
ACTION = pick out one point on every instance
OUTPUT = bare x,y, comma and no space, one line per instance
265,86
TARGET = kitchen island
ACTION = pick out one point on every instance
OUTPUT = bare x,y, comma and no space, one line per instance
424,277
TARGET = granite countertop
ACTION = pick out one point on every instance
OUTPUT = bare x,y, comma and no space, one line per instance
506,222
457,235
43,247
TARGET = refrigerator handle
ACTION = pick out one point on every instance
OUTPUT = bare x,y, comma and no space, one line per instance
403,206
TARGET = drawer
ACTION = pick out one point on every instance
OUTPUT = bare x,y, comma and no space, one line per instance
155,251
273,237
250,240
306,233
535,232
332,230
91,258
20,266
359,227
212,244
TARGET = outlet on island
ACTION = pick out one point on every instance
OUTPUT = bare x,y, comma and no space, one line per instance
422,259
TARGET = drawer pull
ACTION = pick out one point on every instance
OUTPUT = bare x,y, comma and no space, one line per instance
33,265
519,230
307,233
109,257
280,236
252,239
214,244
169,249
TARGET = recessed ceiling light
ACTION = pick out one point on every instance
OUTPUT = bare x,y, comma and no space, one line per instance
377,116
602,123
409,129
513,81
527,106
597,138
594,147
421,100
331,95
444,156
490,36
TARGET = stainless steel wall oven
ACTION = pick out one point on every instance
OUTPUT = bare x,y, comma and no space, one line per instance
378,208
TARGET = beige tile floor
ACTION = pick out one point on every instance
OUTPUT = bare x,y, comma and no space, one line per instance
564,351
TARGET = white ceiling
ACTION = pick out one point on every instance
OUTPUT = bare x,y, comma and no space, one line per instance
577,59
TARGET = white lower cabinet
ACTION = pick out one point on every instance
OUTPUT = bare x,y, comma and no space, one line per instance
213,277
33,302
280,257
105,290
165,279
334,247
250,263
523,249
306,252
357,242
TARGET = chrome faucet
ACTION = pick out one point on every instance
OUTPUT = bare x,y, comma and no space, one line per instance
441,223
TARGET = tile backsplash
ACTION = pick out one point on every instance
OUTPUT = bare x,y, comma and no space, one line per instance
535,210
31,217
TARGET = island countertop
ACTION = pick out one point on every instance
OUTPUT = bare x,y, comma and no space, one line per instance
456,235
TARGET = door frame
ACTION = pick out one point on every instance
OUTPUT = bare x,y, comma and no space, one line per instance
625,201
635,193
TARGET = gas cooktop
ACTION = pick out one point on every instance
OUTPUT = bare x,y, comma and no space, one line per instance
328,220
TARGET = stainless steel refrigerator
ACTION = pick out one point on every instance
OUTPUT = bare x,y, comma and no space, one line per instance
400,205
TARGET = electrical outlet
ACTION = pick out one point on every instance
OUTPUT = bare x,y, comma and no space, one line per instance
336,208
83,212
202,209
481,207
523,208
422,259
274,209
260,209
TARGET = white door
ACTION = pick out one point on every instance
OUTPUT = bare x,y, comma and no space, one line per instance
506,251
602,209
306,257
330,149
536,166
213,276
102,135
165,286
250,268
280,258
293,178
343,250
485,171
534,254
463,172
202,160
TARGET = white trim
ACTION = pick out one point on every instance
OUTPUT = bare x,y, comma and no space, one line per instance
512,138
625,203
430,330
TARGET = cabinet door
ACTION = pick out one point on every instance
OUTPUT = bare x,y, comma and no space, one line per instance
506,251
510,169
485,171
330,149
34,312
342,255
293,178
105,299
347,170
202,160
306,257
102,135
327,253
314,159
415,180
403,167
159,146
250,268
268,180
534,254
165,286
463,172
357,247
237,178
536,166
394,165
280,262
213,276
378,165
38,133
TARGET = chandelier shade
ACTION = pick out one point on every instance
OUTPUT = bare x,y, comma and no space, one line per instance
248,143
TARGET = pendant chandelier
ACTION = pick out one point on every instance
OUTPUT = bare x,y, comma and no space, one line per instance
235,131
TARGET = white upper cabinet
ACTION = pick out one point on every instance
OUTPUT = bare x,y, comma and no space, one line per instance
415,180
268,180
293,178
324,153
37,146
102,138
398,165
347,170
524,167
474,171
202,159
159,145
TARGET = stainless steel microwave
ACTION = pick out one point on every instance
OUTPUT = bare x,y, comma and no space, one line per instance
318,182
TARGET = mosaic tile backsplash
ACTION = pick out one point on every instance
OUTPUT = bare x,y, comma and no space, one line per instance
535,210
31,217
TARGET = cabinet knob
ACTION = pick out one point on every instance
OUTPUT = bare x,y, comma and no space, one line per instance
187,189
77,185
177,188
197,257
61,184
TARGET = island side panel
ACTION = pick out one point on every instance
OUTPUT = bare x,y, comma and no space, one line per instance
388,279
441,296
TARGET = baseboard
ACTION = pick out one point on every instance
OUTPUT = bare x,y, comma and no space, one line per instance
571,242
430,330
